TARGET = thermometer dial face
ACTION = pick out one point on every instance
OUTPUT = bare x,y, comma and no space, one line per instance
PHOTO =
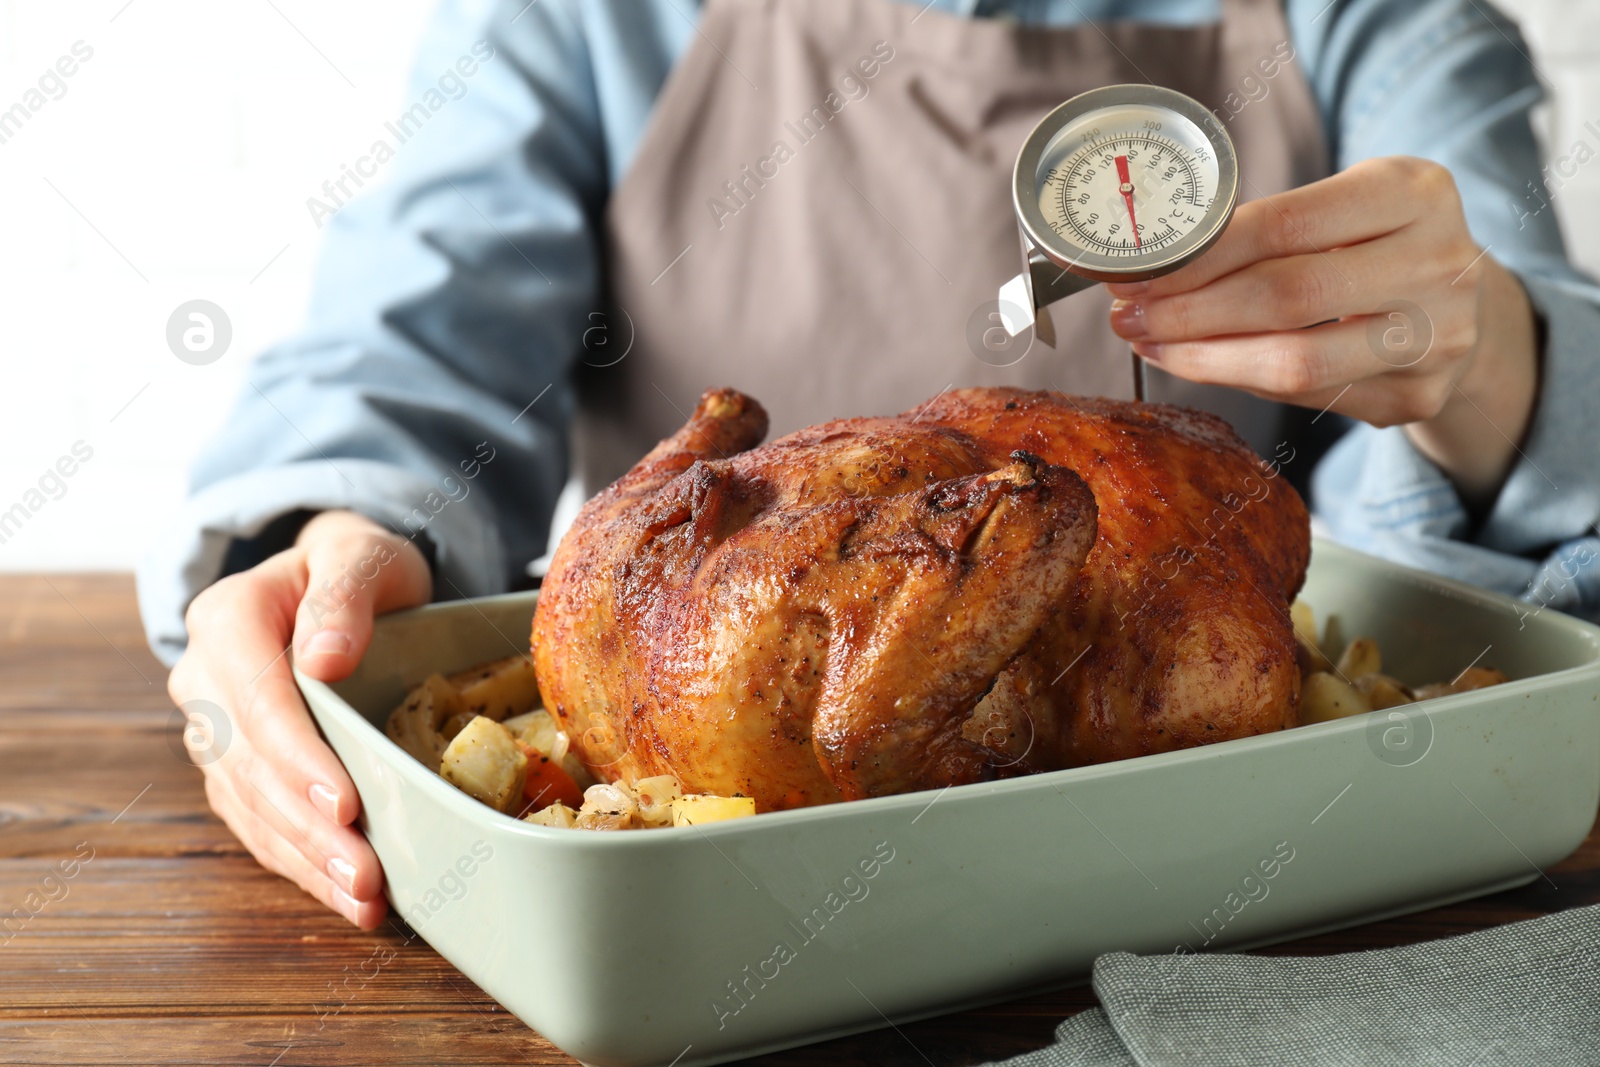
1127,181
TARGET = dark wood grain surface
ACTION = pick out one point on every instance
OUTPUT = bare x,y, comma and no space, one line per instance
172,946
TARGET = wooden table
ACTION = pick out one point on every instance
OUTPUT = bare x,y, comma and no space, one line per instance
171,945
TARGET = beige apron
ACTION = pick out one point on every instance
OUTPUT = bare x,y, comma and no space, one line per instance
819,210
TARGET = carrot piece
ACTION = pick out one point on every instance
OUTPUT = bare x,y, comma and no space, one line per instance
547,783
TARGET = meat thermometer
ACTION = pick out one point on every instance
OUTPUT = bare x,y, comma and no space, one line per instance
1119,184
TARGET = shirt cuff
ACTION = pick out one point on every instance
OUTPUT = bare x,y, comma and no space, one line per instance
188,555
1552,494
1374,491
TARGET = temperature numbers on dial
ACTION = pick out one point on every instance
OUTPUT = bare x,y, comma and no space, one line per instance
1168,188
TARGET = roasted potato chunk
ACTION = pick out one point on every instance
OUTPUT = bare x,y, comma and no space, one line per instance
1469,679
557,815
694,810
419,724
498,690
1360,656
1304,620
485,761
1309,657
1324,696
1382,691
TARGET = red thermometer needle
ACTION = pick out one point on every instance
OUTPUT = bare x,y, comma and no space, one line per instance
1127,197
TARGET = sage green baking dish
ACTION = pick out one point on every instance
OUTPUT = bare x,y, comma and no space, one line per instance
699,945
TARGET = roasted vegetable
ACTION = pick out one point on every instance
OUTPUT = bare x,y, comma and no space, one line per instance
1324,696
498,690
1304,620
1383,691
608,807
485,761
549,783
1360,657
1468,680
694,810
418,725
655,796
557,815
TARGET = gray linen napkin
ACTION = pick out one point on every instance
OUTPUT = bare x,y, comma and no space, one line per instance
1523,994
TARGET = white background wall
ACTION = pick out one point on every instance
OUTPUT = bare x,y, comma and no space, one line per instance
190,142
177,166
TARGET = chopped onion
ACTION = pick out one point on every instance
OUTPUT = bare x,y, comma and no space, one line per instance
656,795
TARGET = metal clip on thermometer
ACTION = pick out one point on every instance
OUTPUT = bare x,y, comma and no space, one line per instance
1119,184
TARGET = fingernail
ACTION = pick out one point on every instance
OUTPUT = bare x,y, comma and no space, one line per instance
1127,318
343,873
326,643
1148,352
345,904
1123,290
325,800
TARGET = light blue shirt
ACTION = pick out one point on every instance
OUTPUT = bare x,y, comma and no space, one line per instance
430,388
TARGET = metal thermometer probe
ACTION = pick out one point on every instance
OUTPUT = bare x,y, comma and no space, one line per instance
1119,184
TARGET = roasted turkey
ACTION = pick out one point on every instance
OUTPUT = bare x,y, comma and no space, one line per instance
996,583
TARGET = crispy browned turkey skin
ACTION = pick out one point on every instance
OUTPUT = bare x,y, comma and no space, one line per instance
877,605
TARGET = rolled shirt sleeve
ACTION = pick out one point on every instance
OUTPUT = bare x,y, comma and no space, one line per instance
1376,492
470,558
430,388
1450,80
